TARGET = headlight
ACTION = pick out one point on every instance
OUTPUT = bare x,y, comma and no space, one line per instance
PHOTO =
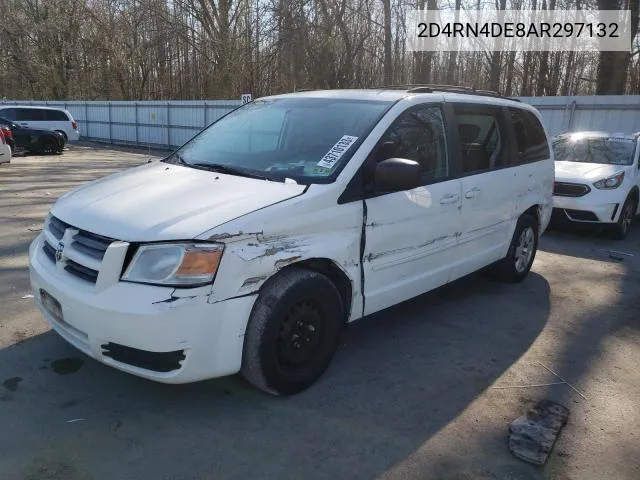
185,264
609,183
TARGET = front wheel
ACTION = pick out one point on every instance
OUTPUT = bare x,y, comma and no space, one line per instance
49,146
627,215
293,332
522,252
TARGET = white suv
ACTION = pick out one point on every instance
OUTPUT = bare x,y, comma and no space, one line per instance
44,118
250,247
597,179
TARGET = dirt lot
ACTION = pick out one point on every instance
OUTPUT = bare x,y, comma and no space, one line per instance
411,393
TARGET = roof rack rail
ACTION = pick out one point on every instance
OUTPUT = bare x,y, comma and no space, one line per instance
433,87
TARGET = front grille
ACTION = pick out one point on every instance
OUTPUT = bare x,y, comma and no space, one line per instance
57,227
83,255
566,189
49,251
81,271
91,244
155,361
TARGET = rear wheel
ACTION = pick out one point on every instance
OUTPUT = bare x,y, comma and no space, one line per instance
522,252
293,332
627,215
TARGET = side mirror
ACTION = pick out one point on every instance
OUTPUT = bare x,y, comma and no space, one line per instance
397,174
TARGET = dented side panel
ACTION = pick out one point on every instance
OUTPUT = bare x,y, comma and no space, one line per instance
258,247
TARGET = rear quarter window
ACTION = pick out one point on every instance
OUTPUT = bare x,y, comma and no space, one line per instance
531,140
55,116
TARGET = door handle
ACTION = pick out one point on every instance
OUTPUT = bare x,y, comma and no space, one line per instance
474,192
450,198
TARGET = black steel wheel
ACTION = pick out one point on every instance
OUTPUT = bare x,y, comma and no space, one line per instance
293,332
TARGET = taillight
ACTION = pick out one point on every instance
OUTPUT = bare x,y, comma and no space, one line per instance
74,125
7,132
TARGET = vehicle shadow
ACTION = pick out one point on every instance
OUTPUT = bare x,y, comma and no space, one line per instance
399,377
591,341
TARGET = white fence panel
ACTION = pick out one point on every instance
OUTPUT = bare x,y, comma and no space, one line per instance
171,123
609,113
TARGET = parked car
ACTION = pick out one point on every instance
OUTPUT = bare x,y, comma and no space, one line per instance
5,149
33,140
597,179
43,118
8,137
250,247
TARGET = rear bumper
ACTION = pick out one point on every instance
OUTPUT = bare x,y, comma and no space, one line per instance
73,135
158,333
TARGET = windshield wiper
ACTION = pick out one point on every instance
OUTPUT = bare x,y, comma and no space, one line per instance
218,167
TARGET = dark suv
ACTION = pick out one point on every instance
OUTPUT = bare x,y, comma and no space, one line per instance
34,140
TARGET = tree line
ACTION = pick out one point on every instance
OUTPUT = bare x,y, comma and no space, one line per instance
217,49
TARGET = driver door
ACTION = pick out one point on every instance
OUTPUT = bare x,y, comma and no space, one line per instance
411,236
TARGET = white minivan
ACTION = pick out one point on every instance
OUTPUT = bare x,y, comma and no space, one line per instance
43,118
250,247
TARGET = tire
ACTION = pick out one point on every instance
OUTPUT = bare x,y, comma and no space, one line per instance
522,252
64,135
48,146
625,220
293,332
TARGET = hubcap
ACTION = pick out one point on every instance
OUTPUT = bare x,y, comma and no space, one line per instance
524,249
299,336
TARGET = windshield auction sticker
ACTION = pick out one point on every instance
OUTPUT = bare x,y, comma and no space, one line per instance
519,30
337,151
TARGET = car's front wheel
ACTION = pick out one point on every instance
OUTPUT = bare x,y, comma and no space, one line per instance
49,146
627,215
293,332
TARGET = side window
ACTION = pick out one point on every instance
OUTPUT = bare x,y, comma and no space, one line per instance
418,134
55,116
28,114
482,139
8,114
530,137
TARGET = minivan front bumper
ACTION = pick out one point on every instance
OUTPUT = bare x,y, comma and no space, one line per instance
159,333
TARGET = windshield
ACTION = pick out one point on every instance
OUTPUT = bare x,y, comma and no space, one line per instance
600,149
303,139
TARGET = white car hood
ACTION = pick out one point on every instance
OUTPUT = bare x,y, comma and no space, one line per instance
583,171
159,201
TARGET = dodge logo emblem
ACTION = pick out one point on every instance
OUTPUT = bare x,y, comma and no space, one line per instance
59,250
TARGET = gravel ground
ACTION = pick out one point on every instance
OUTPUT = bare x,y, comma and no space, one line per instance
411,392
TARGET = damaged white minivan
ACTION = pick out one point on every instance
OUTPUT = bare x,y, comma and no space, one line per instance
250,247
